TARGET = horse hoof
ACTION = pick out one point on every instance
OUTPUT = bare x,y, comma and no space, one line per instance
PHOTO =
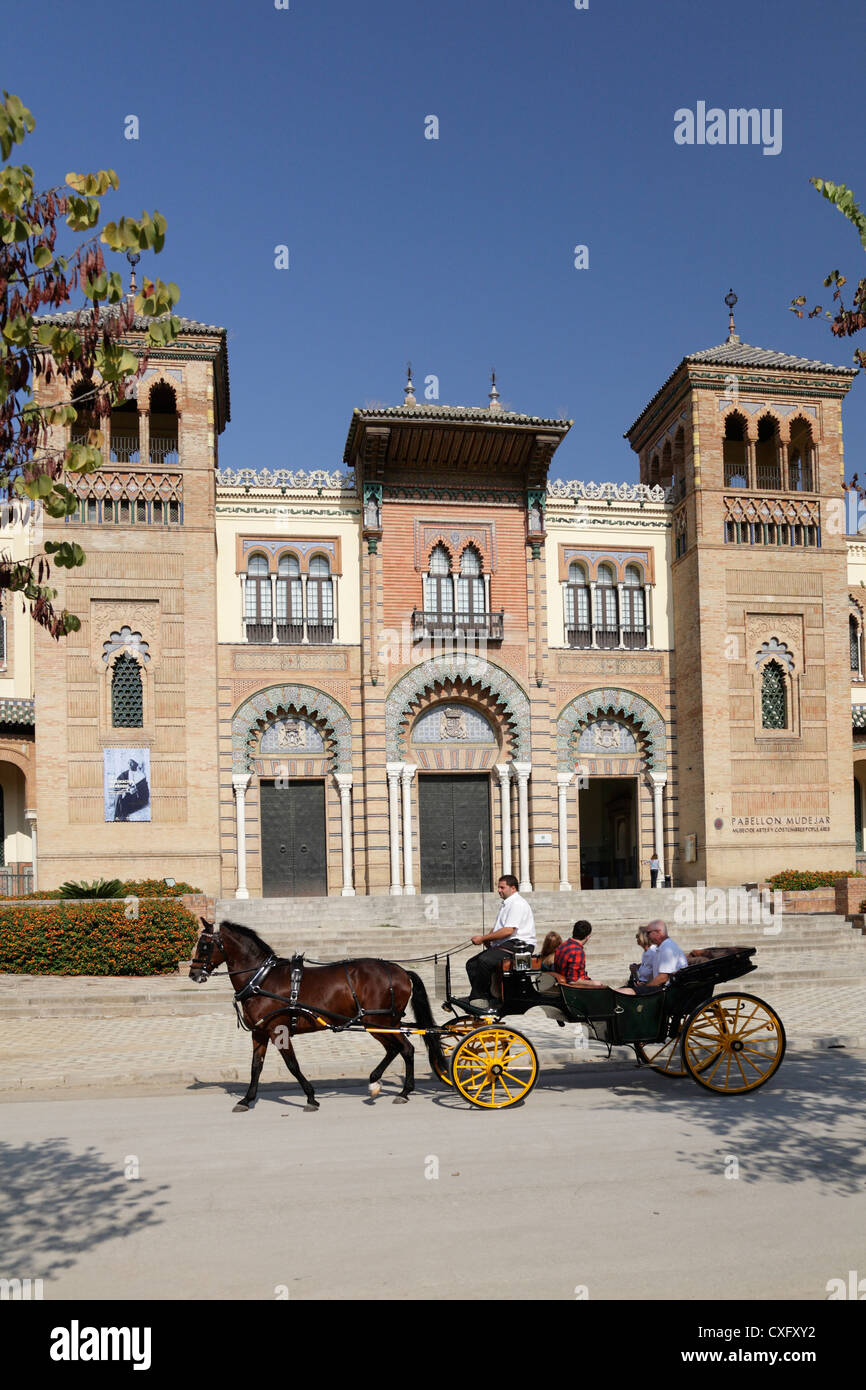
401,1100
374,1088
311,1105
239,1108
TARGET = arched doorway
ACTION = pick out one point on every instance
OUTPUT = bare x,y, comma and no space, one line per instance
292,757
453,743
613,744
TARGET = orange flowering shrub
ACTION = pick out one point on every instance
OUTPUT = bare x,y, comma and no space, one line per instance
801,879
95,938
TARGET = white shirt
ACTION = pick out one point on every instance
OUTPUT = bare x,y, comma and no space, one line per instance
647,968
515,913
669,958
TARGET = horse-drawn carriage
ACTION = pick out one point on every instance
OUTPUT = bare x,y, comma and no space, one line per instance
729,1043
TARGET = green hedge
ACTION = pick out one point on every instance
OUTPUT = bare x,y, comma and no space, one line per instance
133,887
802,879
95,939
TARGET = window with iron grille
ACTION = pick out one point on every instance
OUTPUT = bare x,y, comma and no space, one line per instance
577,625
774,703
320,600
471,598
605,617
289,600
634,632
854,645
127,708
439,586
258,613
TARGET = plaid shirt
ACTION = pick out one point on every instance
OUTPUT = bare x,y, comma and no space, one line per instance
570,961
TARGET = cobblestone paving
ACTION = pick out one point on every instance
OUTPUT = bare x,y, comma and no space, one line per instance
71,1052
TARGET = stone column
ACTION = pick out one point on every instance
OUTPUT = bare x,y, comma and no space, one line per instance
522,771
657,781
406,776
505,810
240,782
30,817
619,613
751,469
592,635
344,783
144,432
563,782
394,770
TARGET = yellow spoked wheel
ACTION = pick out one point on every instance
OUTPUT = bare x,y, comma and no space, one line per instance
733,1044
449,1036
666,1058
494,1067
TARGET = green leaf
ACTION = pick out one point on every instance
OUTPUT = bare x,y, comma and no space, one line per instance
81,458
83,214
42,257
69,555
843,198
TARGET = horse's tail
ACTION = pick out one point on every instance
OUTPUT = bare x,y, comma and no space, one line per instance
424,1017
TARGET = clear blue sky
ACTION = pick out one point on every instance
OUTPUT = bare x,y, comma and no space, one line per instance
305,127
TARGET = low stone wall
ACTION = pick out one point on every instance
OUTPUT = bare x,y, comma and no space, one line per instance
844,897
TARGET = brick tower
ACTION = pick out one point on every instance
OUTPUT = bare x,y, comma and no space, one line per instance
127,706
750,440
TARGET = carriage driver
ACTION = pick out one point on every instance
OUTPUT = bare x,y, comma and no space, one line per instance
513,930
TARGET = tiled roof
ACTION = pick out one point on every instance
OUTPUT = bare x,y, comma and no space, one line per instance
737,354
17,712
139,323
457,412
743,355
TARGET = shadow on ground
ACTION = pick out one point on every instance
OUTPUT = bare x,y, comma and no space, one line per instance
805,1124
55,1204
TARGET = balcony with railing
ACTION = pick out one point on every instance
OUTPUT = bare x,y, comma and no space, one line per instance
289,634
433,624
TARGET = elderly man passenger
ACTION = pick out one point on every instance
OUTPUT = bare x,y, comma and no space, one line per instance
668,959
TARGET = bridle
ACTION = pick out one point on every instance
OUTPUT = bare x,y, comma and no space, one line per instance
210,971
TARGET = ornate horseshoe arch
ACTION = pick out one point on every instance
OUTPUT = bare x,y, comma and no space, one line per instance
478,671
595,704
306,700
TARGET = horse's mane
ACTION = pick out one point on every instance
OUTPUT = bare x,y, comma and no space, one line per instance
248,933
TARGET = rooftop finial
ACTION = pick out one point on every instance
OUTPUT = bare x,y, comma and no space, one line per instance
494,394
730,300
409,389
133,257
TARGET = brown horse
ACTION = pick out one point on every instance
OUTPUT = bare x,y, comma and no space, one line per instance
280,998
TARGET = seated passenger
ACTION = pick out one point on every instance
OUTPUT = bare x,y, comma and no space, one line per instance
669,958
643,972
569,961
548,949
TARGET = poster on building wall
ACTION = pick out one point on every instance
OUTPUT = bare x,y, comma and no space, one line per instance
126,783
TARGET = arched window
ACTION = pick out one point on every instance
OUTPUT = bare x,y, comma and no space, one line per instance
163,425
320,600
800,457
774,697
127,707
678,464
289,600
634,634
855,646
858,818
605,617
471,598
258,614
666,465
653,470
734,452
439,590
85,430
124,433
769,473
578,630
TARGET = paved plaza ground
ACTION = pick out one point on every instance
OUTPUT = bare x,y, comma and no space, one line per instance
148,1042
606,1183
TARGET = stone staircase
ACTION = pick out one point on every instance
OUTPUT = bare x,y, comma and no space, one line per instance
815,954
